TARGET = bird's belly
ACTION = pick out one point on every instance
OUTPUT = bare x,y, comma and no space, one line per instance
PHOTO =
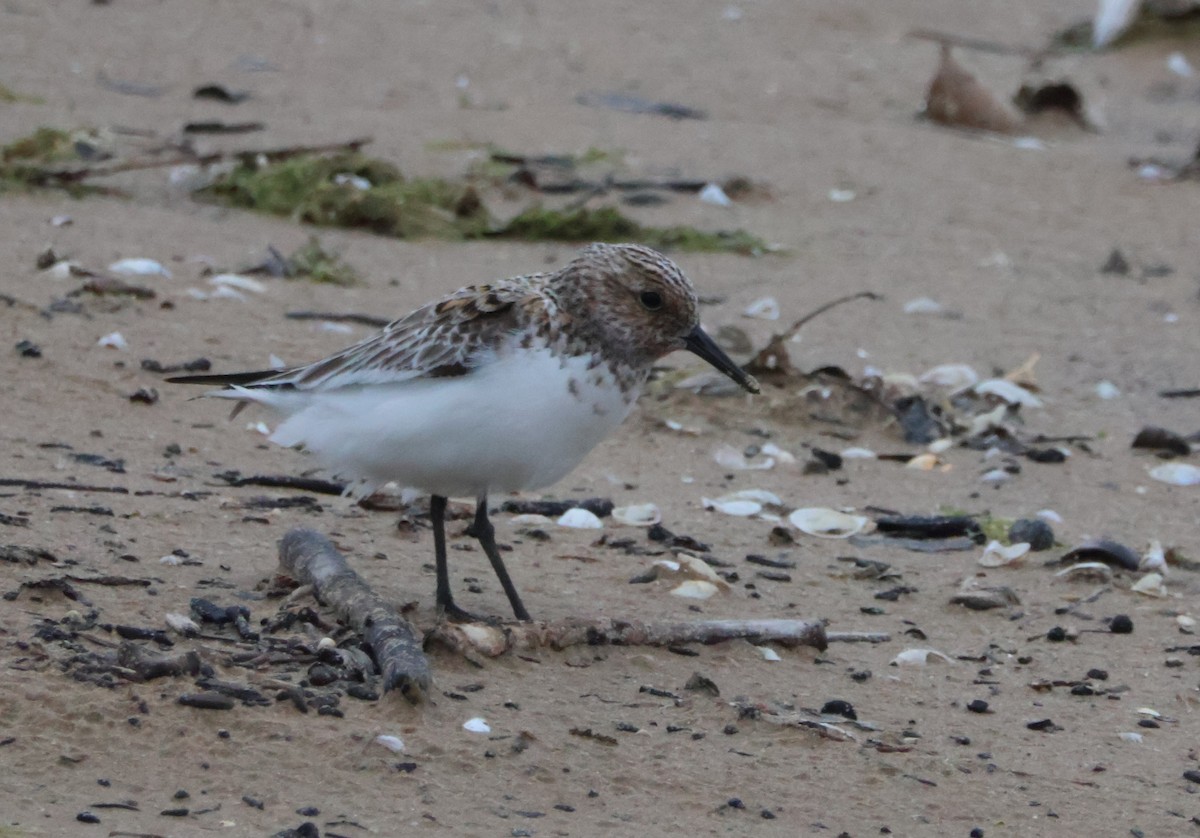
521,421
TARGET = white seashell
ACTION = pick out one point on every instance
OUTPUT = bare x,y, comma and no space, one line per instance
997,555
1148,711
669,565
1007,391
1155,558
858,454
1178,64
828,523
1132,737
1187,625
842,196
1177,474
1112,18
113,340
530,521
759,495
61,221
922,305
1050,515
580,519
715,195
695,589
920,657
1155,172
939,445
729,457
139,267
242,283
680,428
950,376
171,560
336,328
764,308
259,427
737,508
768,653
196,293
181,624
1107,390
1150,585
357,181
393,743
62,269
784,458
996,475
638,515
923,462
325,644
477,725
224,292
1086,571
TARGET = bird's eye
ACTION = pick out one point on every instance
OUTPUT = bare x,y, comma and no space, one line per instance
652,300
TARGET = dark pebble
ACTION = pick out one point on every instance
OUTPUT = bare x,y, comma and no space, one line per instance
729,729
181,795
1057,634
838,707
767,815
223,734
308,811
860,676
563,807
1192,776
978,706
320,675
976,833
1033,531
253,802
1044,725
29,349
181,812
208,700
1083,689
735,803
91,817
362,692
144,395
405,767
1121,624
1148,723
778,564
1098,674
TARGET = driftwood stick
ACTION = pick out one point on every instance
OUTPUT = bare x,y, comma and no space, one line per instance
857,636
494,641
310,558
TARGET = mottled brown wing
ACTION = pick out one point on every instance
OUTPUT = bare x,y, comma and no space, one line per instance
443,338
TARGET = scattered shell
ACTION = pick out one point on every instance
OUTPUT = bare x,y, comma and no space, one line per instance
1107,390
842,196
923,462
1177,474
828,523
337,328
922,305
139,267
61,221
1178,64
259,427
695,589
1150,585
1187,625
113,340
357,181
1104,550
1154,558
764,308
182,624
1113,17
950,376
242,283
393,743
688,567
729,457
1148,711
715,195
737,507
1086,572
1007,391
920,657
680,428
996,475
530,520
782,457
858,454
939,446
638,515
477,725
580,519
985,599
997,555
171,559
326,643
1049,515
768,654
224,292
1131,737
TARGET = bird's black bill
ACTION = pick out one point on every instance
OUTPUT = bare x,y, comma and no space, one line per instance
701,344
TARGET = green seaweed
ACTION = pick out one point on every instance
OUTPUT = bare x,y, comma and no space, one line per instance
320,265
40,160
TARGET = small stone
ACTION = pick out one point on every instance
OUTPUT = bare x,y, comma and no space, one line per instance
308,811
978,706
735,803
180,812
1192,776
91,817
1057,634
1033,531
1115,264
730,729
181,795
767,815
1121,624
976,833
28,349
838,707
1098,674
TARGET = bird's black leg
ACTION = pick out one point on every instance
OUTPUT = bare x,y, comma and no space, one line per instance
445,600
483,530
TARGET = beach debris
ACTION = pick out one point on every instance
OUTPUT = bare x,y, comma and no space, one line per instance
957,99
744,503
393,743
1154,438
1112,553
999,555
580,519
712,193
920,657
829,523
1177,474
136,266
1033,531
113,340
975,597
637,515
731,458
1112,18
477,725
764,308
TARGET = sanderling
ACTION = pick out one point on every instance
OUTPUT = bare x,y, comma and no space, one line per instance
495,388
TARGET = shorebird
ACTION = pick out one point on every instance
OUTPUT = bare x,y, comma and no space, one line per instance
495,388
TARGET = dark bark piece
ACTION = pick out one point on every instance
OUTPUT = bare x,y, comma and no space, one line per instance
310,558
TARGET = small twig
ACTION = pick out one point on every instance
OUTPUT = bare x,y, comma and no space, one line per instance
857,636
333,317
795,328
773,358
395,645
74,487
